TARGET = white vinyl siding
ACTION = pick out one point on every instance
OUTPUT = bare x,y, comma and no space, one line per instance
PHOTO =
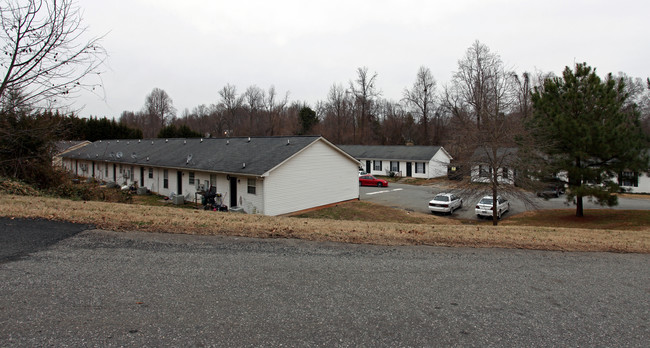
319,175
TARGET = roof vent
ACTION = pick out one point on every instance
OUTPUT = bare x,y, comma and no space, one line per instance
133,155
152,142
243,165
249,140
201,139
119,154
147,158
118,141
227,142
166,140
184,142
288,142
138,141
128,143
189,158
100,141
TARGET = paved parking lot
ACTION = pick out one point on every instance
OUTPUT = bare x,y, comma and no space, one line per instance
416,198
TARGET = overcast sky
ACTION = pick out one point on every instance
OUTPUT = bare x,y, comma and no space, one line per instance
192,48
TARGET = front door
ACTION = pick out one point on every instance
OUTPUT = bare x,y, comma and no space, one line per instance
114,172
179,182
367,166
409,170
233,192
141,176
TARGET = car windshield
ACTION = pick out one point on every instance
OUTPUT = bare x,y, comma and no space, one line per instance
441,198
486,201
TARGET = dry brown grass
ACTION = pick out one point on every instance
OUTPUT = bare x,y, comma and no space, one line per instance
129,217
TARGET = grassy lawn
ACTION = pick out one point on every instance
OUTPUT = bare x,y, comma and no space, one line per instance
366,211
594,219
371,224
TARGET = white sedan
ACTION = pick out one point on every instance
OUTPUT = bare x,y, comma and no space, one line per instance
484,207
445,203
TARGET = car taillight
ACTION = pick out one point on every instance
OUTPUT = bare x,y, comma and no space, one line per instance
477,207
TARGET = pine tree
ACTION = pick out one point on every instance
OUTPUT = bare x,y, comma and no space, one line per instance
591,135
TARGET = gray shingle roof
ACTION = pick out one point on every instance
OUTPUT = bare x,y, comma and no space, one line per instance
506,155
391,152
226,155
63,146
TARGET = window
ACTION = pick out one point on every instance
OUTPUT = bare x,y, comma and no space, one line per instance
106,171
394,166
505,172
419,167
252,186
213,180
131,174
191,176
629,178
376,166
165,179
484,171
150,173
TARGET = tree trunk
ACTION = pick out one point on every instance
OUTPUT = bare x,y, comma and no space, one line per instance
579,207
495,203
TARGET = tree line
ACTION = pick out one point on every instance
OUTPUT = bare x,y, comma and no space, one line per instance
356,112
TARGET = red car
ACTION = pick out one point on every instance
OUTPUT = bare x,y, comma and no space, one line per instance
369,180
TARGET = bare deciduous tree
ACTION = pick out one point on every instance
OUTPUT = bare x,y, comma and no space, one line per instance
491,138
421,98
44,54
159,108
274,109
364,89
254,101
231,102
338,114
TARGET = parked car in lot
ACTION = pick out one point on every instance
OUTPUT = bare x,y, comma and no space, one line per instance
445,203
369,180
484,207
550,191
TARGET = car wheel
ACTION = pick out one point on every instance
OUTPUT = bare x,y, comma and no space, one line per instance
379,184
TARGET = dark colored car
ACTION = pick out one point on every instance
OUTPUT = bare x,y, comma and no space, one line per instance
550,191
369,180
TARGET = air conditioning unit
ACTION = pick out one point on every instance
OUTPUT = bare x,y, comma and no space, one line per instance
178,200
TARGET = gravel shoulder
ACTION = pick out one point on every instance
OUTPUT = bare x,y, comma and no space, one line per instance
102,288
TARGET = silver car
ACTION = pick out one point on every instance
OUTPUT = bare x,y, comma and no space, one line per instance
445,203
484,207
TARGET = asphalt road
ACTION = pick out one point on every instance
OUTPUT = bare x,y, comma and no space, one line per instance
416,198
100,288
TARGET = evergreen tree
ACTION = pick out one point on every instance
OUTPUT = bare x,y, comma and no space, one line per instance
590,134
308,119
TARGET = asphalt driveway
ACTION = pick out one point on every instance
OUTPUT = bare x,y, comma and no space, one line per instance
416,198
102,288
